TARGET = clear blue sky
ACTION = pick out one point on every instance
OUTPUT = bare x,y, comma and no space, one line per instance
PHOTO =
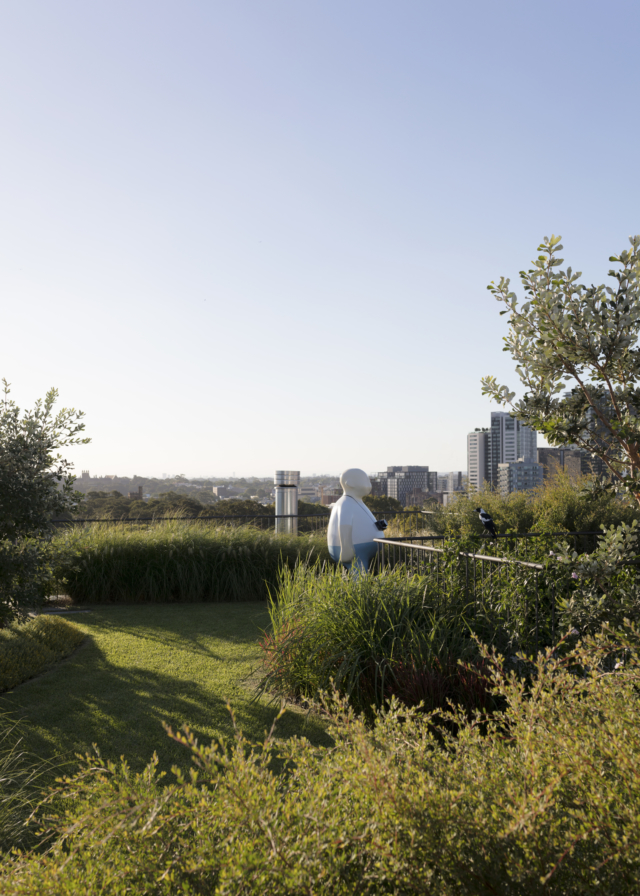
254,235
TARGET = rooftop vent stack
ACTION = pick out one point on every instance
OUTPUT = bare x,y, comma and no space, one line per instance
286,488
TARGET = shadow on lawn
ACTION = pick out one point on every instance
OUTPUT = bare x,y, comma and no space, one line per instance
88,699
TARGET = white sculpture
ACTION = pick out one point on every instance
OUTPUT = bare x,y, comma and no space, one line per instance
352,526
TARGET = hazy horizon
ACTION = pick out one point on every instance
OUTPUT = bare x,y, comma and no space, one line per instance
254,236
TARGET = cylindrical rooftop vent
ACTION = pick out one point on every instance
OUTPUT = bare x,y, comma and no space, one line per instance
286,487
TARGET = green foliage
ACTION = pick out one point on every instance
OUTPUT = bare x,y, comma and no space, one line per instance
175,561
241,507
382,504
22,778
568,336
28,648
560,505
369,636
542,799
35,483
601,587
113,505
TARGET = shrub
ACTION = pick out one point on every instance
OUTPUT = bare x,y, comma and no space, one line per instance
560,505
542,799
28,648
601,587
35,483
370,637
176,561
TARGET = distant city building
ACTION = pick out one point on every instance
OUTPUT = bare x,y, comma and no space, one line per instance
224,491
554,460
507,440
510,442
86,474
137,494
419,496
455,481
519,476
308,493
329,496
401,482
571,460
478,459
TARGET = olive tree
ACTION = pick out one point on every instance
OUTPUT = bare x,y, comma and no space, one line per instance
576,353
35,484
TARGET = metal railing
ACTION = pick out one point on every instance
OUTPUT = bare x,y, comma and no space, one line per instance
517,595
522,545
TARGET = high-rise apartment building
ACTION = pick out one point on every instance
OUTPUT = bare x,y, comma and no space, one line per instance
506,441
510,441
478,458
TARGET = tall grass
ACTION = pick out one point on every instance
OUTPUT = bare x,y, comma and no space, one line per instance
22,780
176,561
370,637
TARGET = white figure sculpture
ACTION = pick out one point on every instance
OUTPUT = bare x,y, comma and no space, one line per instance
352,526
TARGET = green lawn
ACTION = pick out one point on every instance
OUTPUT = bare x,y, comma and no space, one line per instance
144,664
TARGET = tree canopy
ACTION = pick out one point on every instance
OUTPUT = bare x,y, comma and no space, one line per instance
35,484
576,353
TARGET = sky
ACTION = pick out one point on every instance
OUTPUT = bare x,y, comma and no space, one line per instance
246,236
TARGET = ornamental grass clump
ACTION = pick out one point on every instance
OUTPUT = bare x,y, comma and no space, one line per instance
28,648
176,561
542,799
370,637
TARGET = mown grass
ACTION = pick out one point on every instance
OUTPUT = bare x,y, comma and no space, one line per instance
145,665
176,561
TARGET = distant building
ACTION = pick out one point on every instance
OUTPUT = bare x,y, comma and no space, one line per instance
419,496
224,491
571,460
478,459
330,495
507,440
86,475
510,442
519,476
137,495
554,460
308,493
400,482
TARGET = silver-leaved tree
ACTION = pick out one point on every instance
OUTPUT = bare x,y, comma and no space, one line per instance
576,351
35,484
